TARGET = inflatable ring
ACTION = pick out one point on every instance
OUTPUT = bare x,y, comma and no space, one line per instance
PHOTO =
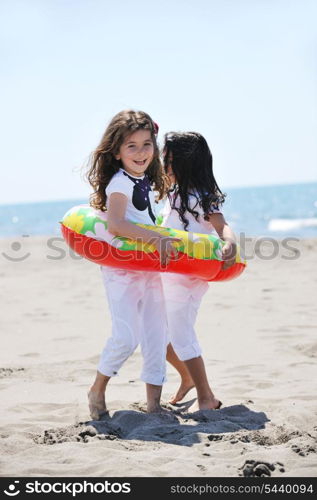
199,255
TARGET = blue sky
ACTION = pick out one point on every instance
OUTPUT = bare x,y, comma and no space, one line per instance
241,72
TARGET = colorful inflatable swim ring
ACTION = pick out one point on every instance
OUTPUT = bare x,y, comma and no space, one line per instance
85,231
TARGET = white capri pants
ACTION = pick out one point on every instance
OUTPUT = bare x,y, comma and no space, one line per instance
183,295
137,308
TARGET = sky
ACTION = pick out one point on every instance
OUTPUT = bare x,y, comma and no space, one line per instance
241,72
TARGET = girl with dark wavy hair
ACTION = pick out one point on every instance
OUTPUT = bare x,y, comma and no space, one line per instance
124,170
195,201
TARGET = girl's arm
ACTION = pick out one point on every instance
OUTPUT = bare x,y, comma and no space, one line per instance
119,226
225,232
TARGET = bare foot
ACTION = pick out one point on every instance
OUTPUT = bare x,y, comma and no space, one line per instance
97,404
205,404
184,388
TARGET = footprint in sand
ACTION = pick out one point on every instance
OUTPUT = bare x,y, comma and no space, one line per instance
254,468
77,433
263,385
201,467
272,437
215,437
309,350
8,372
303,451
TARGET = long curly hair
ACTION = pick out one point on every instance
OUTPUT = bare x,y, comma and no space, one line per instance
190,158
102,164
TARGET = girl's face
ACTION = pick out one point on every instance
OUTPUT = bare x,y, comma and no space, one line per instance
136,152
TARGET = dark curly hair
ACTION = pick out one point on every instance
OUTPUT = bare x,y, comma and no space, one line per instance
190,158
102,164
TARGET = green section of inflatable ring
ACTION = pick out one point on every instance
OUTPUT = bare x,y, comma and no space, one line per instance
83,220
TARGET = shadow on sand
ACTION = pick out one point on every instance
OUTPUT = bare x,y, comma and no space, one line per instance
177,426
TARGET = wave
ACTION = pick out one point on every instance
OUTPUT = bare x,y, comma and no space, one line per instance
289,224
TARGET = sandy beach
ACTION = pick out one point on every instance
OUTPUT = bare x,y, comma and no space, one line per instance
258,335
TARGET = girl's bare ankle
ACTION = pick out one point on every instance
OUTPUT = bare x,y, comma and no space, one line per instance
153,398
153,407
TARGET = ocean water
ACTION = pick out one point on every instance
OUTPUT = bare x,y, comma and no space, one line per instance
274,211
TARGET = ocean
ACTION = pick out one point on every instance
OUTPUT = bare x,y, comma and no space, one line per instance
275,211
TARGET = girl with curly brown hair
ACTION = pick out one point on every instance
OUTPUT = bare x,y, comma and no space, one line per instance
125,170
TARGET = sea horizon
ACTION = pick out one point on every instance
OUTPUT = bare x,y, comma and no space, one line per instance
276,210
224,189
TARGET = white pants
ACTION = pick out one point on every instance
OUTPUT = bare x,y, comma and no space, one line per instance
138,314
183,295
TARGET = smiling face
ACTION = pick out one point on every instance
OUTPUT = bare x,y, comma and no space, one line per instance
136,152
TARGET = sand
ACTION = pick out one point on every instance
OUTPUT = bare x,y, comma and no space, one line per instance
258,335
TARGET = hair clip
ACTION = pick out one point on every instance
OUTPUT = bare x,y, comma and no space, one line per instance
156,128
